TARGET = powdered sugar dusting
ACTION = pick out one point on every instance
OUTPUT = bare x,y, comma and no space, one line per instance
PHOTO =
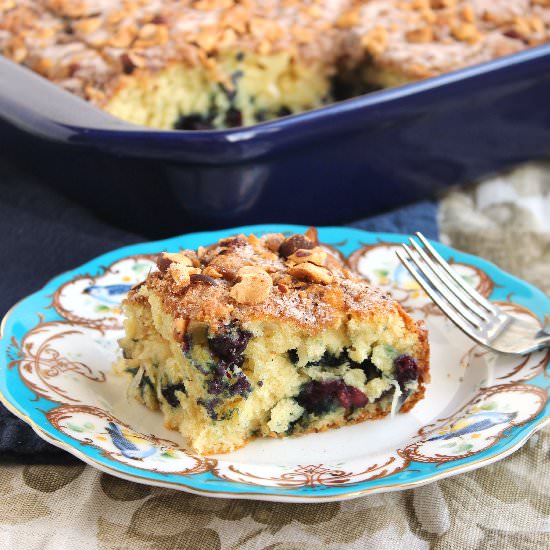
361,298
300,307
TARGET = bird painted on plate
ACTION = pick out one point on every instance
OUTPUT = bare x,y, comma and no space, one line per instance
108,294
125,446
476,423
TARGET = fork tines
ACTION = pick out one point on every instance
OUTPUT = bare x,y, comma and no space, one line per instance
466,307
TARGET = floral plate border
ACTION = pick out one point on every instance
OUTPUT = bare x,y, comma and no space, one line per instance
29,394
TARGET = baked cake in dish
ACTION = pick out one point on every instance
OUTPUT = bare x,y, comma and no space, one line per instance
267,336
201,64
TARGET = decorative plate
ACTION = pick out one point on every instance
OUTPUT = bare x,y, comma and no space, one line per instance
57,347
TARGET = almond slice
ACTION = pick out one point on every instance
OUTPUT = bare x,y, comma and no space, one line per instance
311,272
254,286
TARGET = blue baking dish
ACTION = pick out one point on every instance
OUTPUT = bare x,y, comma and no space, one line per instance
327,166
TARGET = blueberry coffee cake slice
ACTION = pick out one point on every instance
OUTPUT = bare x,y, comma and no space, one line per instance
267,336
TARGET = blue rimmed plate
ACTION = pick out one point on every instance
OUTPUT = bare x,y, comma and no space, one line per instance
58,345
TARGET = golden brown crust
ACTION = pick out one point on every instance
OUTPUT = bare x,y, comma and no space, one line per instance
423,355
417,396
96,47
257,283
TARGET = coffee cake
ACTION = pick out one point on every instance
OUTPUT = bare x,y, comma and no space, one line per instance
202,64
267,336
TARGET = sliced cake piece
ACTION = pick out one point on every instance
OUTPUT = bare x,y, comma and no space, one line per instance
268,336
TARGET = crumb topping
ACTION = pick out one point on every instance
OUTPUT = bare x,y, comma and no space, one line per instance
91,47
422,38
259,278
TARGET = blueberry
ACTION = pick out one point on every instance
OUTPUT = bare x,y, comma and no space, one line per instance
292,426
406,369
351,398
215,387
235,76
241,387
261,115
293,356
221,370
205,371
284,111
186,343
169,393
145,381
230,93
327,360
319,397
368,367
210,406
233,118
330,360
193,122
229,345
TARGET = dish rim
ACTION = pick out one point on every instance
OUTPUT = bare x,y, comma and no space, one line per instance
110,129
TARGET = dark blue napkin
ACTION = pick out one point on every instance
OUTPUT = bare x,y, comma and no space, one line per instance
44,234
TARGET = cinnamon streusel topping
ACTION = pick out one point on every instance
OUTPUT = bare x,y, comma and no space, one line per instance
256,281
92,47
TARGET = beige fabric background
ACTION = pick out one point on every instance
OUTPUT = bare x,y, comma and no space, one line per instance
506,505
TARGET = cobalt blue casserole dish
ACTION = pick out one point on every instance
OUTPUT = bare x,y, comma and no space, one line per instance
327,166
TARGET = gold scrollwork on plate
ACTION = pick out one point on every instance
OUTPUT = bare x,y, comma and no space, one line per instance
310,475
44,367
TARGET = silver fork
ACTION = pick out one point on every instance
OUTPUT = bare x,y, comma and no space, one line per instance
478,318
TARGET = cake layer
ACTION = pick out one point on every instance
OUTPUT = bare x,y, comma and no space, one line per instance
268,336
224,63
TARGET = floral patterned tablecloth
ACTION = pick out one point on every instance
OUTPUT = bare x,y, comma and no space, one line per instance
505,505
